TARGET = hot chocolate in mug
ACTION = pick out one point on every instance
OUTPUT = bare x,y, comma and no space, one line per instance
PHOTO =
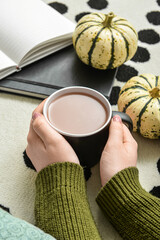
82,115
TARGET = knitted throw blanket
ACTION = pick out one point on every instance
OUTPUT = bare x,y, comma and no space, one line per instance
17,178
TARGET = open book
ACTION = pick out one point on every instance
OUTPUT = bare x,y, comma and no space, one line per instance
29,31
58,70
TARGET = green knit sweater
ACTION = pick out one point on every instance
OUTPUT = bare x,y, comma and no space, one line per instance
62,208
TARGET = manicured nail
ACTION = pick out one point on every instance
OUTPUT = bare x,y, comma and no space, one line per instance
35,115
117,118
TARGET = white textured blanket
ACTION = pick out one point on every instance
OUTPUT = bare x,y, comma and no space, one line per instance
17,190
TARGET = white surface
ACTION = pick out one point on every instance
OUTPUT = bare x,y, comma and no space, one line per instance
17,190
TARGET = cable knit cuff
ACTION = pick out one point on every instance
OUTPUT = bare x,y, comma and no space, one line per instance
57,175
114,195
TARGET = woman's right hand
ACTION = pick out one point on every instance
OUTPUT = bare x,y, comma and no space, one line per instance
120,151
45,145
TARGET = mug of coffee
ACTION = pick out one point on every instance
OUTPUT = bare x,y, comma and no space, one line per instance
82,115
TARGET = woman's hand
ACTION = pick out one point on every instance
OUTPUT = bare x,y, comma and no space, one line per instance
45,145
120,151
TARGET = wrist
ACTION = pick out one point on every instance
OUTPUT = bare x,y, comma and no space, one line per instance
106,176
119,187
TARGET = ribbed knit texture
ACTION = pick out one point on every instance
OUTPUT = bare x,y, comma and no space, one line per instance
134,212
61,206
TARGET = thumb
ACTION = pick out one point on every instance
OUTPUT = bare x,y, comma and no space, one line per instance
115,131
43,129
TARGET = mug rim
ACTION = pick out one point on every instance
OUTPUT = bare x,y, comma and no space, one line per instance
62,90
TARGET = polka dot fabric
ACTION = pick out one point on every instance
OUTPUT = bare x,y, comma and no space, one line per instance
17,189
146,25
148,28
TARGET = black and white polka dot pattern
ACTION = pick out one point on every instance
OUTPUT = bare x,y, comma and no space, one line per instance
27,161
5,208
145,17
149,36
156,189
100,4
154,17
149,40
60,7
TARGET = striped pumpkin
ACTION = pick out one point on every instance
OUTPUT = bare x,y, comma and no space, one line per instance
140,99
104,41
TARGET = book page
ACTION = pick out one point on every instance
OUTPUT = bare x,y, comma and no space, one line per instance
27,23
7,66
44,52
6,62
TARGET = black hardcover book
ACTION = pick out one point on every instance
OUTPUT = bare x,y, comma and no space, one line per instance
59,70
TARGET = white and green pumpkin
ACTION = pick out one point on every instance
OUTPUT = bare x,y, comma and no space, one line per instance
104,41
140,99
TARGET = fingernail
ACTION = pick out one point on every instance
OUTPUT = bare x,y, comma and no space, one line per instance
117,118
35,115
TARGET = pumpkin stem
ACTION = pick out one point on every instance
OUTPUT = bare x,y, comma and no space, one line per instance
108,19
155,92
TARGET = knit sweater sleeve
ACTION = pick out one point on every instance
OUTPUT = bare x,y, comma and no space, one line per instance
61,206
133,212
